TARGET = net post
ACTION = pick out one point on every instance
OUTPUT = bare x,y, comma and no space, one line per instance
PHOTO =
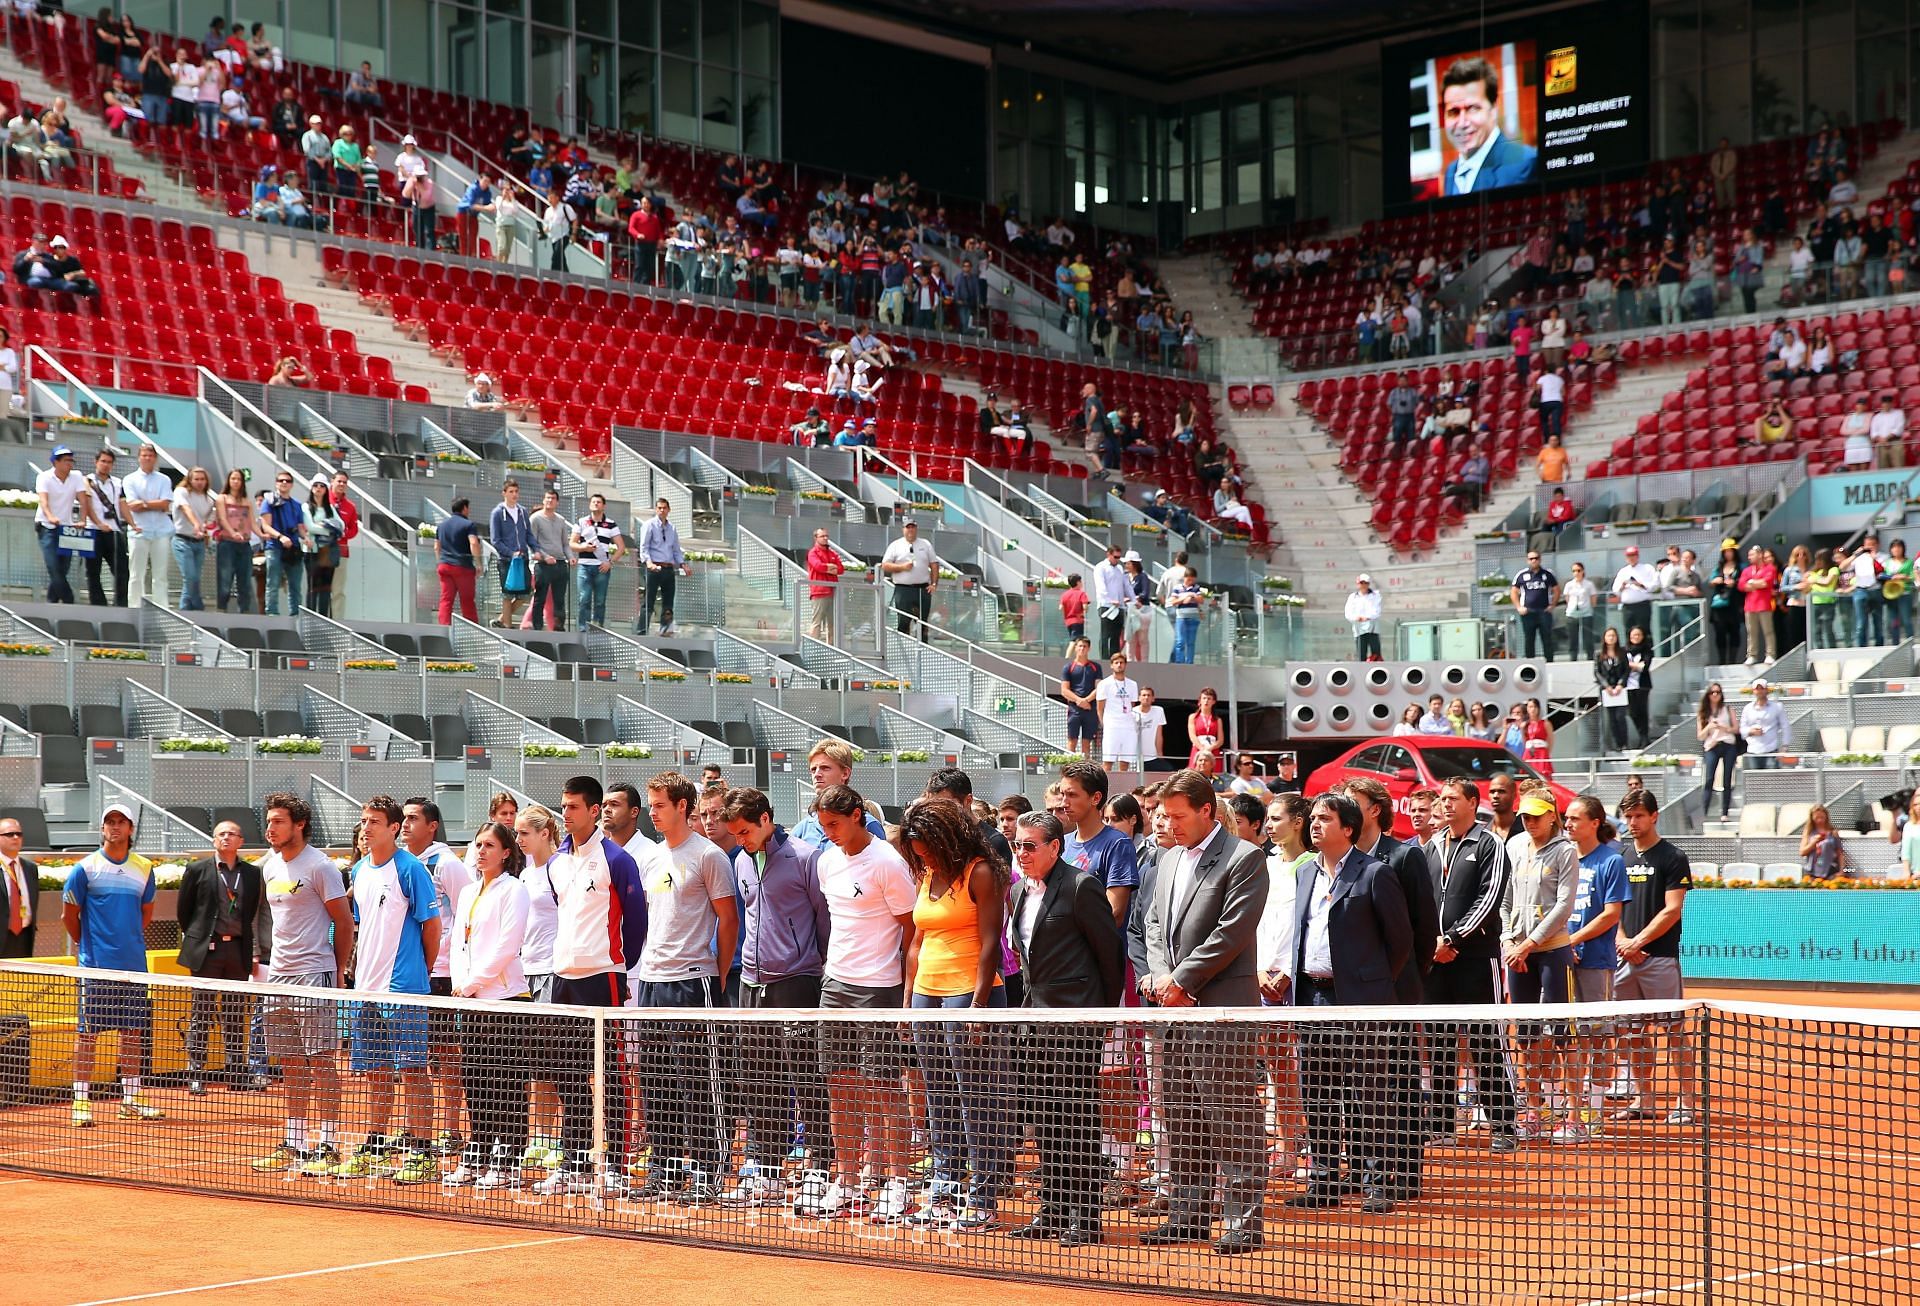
600,1088
1703,1089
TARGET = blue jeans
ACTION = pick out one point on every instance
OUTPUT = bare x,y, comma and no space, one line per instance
1899,617
967,1089
59,589
1869,611
291,573
191,557
593,595
1762,762
1186,633
233,575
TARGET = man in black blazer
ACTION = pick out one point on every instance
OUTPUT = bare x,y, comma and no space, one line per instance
1353,938
1071,954
19,894
219,899
1469,865
1208,895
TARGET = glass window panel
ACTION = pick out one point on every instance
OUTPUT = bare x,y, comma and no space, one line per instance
507,61
1045,114
759,39
507,7
1140,124
1243,127
1284,184
1106,124
636,90
595,96
1360,99
719,109
1077,119
759,117
1882,80
309,34
410,58
1725,30
1079,187
636,23
1776,26
1246,183
1325,181
1363,177
548,80
1729,104
1776,96
458,69
1676,116
157,15
1010,114
1321,97
1043,171
593,18
1174,139
1280,119
1676,37
1206,134
720,32
1007,154
360,35
1829,86
1208,194
1880,15
679,103
679,28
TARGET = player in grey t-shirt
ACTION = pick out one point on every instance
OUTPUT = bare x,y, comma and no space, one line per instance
312,943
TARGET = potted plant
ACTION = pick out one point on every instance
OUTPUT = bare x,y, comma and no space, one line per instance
453,668
372,664
305,745
761,491
549,750
19,499
627,751
457,459
732,678
25,651
193,744
666,673
116,655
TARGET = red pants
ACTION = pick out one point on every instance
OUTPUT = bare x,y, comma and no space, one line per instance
457,581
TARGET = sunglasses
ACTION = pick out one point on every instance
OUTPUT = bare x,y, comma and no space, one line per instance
1027,846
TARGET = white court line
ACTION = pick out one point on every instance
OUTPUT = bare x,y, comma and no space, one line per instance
334,1269
1843,1154
1790,1267
5,1182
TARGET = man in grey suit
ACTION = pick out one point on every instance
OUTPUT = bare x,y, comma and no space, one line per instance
1354,937
1208,895
19,894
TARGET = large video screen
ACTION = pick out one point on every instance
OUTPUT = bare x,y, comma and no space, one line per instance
1537,101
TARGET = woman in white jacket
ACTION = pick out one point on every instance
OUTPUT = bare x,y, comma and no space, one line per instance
1543,880
489,928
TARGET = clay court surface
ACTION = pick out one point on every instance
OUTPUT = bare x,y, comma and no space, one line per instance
1816,1136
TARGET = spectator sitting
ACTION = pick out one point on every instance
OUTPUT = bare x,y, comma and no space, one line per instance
293,202
849,437
1015,430
1475,475
839,382
65,272
1843,190
1227,505
1560,511
362,93
1457,418
288,118
1162,509
868,377
821,337
235,109
1792,360
1857,454
290,371
1820,358
119,106
483,398
266,205
1773,425
812,431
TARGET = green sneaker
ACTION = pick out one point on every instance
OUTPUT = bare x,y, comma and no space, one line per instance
137,1108
555,1158
82,1113
358,1166
282,1157
446,1143
534,1156
320,1161
417,1168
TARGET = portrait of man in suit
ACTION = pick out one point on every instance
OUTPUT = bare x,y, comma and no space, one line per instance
19,893
1485,159
1208,894
219,898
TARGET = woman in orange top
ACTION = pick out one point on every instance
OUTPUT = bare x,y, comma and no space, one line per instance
953,961
1552,460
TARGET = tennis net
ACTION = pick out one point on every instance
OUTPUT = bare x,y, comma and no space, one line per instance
1632,1152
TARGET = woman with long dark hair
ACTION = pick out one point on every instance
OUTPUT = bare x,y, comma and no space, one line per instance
953,962
1639,681
1610,677
489,928
1822,853
1718,731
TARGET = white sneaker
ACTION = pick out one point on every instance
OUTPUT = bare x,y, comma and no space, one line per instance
813,1192
892,1205
459,1177
1684,1116
613,1184
755,1190
490,1181
939,1203
558,1183
834,1201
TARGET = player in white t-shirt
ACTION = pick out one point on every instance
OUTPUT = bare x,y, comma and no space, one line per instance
870,896
538,831
421,830
1117,697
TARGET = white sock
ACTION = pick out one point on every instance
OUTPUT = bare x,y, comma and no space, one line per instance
297,1135
326,1133
129,1085
80,1090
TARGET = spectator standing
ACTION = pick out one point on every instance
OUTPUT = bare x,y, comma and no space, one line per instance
664,560
148,501
1079,680
219,900
66,499
1117,696
1763,724
1658,877
1183,605
1866,570
457,545
282,523
1113,592
1592,928
1073,610
509,531
597,544
824,569
1363,615
1723,165
346,162
1823,853
110,540
324,527
1639,655
1403,402
233,554
1550,390
1581,598
1521,339
1719,738
1889,433
911,564
1758,582
193,525
1534,593
549,539
1634,586
644,227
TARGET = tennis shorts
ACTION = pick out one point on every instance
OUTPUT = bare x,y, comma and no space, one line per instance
298,1025
1657,979
388,1037
109,1005
872,1049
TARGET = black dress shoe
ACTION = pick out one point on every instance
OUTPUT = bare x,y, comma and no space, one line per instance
1174,1231
1041,1227
1377,1202
1317,1197
1082,1233
1239,1242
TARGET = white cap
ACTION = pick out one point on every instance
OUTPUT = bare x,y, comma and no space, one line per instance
1131,556
58,242
313,120
124,809
1760,684
408,140
1364,577
483,379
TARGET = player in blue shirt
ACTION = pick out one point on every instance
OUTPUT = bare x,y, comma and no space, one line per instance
1597,905
1093,845
107,905
397,926
830,762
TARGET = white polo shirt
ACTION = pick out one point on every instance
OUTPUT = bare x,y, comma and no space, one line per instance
61,496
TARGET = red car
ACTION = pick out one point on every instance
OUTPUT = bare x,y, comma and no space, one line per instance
1404,763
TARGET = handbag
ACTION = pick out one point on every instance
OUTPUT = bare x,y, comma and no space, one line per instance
517,580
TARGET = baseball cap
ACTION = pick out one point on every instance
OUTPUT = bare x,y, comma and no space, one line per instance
313,120
849,426
59,451
1633,550
124,809
319,478
481,378
58,242
1760,684
408,140
1363,577
1538,803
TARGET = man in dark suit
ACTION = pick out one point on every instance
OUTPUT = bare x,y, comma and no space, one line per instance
1071,954
1470,115
1354,937
1469,866
219,900
20,892
1408,863
1210,890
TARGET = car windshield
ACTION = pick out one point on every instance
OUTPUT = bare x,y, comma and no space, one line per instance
1475,764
